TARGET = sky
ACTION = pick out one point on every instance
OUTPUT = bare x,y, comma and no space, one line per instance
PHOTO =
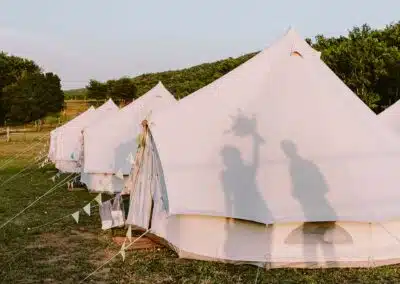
81,40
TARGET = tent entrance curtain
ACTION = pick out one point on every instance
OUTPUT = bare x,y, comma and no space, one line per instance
140,183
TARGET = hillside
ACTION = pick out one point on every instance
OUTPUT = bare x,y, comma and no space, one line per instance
367,60
179,82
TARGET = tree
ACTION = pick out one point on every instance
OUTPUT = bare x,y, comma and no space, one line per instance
96,90
11,68
364,61
32,97
123,89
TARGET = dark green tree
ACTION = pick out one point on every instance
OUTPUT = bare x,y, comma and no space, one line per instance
96,90
32,96
123,89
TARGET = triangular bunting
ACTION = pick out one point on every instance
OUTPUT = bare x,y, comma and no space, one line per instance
129,233
131,158
122,251
98,198
123,254
119,174
53,178
87,209
76,216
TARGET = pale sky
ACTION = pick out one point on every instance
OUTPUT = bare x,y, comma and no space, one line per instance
98,39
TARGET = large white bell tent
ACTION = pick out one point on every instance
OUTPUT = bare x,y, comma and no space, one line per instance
68,138
391,116
278,162
110,146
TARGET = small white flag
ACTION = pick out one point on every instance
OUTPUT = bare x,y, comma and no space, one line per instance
76,216
130,158
98,198
53,179
87,209
129,233
122,251
123,254
119,174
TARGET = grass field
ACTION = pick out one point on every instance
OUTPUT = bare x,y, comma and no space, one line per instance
66,252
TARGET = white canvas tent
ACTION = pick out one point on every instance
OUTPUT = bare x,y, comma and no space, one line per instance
68,138
53,134
391,116
108,144
276,163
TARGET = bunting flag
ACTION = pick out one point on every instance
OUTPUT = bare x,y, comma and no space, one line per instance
129,233
53,178
87,209
76,216
131,158
98,198
119,174
122,251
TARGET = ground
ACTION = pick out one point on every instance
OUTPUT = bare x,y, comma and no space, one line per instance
66,252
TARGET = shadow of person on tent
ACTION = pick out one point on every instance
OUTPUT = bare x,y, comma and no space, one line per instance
242,197
309,188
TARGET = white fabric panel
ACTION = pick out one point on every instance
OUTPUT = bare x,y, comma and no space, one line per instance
107,183
69,138
66,166
72,123
108,144
216,238
391,116
141,191
303,148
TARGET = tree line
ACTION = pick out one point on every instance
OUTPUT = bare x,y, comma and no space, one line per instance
366,59
26,93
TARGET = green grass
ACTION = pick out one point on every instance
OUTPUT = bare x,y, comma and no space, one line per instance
66,252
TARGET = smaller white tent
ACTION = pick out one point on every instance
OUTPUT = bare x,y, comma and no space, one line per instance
391,116
76,121
109,143
68,138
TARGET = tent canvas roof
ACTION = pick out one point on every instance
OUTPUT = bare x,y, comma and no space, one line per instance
69,136
281,138
108,144
391,116
72,123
